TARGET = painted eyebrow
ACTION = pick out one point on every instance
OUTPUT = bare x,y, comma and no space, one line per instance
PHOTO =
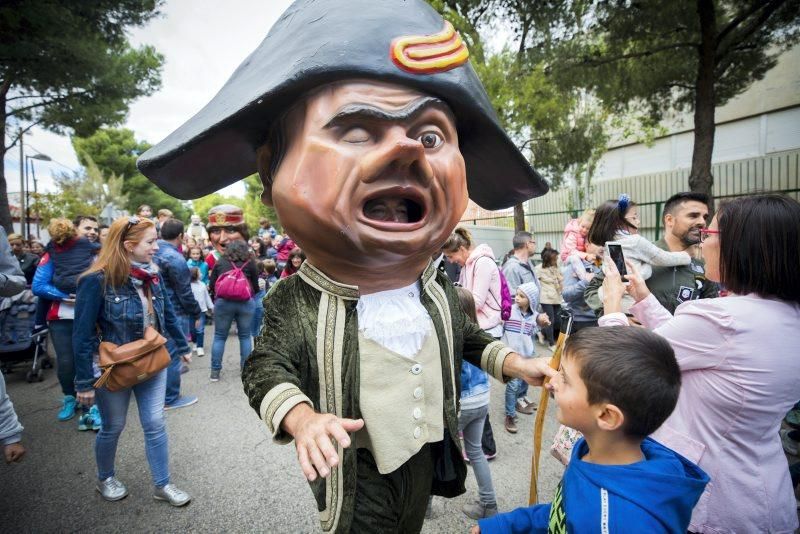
362,111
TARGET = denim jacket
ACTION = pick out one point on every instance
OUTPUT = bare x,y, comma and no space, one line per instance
119,315
474,380
175,273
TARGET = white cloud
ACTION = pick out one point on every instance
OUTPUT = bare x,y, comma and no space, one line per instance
203,41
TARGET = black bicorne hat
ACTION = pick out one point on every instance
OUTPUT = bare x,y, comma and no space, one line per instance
322,41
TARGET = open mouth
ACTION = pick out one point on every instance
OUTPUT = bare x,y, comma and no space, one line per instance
396,206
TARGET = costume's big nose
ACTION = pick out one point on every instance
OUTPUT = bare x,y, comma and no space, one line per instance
387,209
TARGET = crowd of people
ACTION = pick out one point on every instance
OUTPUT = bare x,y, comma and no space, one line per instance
719,406
98,283
679,369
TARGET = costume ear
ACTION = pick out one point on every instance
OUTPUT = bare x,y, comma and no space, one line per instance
610,418
263,159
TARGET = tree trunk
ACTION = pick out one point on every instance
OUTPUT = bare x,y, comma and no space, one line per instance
5,212
519,218
700,178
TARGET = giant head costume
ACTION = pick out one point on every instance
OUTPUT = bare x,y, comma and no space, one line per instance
369,129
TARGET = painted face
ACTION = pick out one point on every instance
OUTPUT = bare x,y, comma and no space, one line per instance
88,229
710,248
458,257
143,250
521,300
221,236
373,169
571,395
687,221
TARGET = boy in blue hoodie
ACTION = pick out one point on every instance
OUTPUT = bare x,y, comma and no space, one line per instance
616,385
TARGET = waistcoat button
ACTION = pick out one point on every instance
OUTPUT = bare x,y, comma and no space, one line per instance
417,413
417,432
418,393
416,368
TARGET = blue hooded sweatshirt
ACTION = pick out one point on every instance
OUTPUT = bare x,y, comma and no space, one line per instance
654,495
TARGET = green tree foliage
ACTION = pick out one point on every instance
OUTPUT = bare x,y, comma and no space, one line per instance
68,66
115,150
559,129
653,57
83,193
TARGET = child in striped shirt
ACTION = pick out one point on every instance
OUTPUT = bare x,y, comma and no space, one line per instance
519,332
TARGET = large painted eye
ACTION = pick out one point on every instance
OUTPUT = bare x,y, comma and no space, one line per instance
356,135
430,139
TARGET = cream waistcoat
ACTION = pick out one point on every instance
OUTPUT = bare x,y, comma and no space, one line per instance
401,401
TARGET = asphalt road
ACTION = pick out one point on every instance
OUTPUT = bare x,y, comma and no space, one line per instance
221,453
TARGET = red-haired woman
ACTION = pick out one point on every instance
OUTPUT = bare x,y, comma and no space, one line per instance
118,298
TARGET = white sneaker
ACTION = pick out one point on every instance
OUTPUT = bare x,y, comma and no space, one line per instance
200,351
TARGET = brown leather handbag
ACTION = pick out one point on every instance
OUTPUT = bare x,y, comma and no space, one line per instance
126,365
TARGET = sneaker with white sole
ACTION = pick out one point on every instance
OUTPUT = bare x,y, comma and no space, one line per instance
215,375
171,494
200,352
111,489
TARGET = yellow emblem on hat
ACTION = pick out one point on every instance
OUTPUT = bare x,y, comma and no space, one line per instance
220,217
429,54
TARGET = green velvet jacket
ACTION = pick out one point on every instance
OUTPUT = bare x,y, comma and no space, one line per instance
307,351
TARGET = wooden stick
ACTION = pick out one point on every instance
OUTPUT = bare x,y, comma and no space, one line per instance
538,426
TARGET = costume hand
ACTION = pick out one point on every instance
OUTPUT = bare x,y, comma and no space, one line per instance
14,452
543,320
475,530
85,398
637,288
314,434
531,370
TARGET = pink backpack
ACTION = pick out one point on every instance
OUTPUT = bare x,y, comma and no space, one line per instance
233,284
506,298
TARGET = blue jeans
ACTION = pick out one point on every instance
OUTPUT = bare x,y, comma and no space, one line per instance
173,391
200,331
516,388
61,336
114,410
259,313
470,422
225,312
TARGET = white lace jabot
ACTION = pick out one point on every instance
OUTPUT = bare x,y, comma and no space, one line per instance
395,319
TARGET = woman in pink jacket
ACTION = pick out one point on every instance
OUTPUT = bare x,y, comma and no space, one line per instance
739,361
480,275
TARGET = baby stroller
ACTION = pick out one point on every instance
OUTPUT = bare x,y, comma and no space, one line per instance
19,344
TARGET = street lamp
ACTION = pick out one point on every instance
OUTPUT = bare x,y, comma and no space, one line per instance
26,194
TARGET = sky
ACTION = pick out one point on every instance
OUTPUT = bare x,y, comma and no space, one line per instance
203,41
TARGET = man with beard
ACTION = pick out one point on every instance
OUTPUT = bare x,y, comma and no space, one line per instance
366,124
225,224
684,215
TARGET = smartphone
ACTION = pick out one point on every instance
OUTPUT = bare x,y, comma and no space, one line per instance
614,251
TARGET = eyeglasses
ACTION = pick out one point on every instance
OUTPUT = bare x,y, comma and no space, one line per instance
705,232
